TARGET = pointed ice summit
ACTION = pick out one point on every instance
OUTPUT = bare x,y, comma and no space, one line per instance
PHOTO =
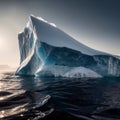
46,51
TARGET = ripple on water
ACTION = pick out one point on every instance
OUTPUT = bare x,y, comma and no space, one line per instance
30,98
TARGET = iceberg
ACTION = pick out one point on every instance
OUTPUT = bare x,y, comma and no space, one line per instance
45,50
82,72
67,72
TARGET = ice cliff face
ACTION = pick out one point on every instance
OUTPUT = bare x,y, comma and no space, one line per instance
46,50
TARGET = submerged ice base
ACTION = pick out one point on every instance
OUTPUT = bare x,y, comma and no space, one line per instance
45,50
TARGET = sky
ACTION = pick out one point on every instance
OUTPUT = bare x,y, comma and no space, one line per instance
95,23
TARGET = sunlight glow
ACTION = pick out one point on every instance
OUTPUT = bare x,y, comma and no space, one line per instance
2,43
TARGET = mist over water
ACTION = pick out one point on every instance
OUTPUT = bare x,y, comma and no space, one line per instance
31,98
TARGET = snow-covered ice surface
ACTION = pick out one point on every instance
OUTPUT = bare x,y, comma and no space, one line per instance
55,37
46,50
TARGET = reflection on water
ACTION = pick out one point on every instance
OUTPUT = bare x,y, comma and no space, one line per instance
19,100
31,98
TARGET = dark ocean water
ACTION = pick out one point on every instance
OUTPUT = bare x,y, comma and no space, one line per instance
31,98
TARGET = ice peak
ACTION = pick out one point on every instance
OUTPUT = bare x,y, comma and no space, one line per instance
32,17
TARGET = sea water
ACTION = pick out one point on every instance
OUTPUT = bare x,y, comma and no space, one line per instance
33,98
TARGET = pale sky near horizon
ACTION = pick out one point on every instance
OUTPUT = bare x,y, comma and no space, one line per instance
95,23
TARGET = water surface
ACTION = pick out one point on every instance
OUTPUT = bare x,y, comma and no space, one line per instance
31,98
